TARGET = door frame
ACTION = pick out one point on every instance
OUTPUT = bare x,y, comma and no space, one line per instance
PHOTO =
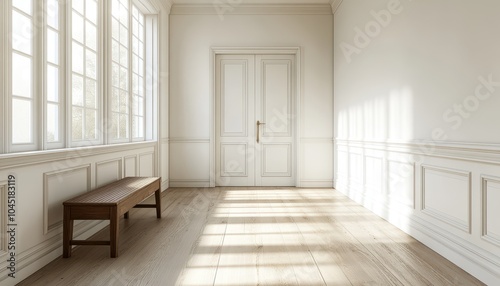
214,51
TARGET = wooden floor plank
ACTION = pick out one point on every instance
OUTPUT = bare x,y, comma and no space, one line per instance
255,236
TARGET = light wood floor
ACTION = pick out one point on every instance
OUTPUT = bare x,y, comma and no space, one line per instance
246,236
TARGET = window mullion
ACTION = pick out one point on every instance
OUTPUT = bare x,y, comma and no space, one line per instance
3,91
131,72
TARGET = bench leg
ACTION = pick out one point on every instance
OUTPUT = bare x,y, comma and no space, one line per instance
158,203
67,232
126,215
113,233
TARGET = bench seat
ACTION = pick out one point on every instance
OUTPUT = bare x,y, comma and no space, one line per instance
109,202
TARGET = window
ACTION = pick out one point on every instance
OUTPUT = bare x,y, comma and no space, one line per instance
128,49
22,98
60,87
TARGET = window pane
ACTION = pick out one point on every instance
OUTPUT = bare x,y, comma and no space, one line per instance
124,14
77,94
52,46
77,58
123,79
90,124
123,56
115,51
113,130
52,123
22,33
124,102
115,100
78,5
91,64
116,75
77,130
21,75
91,36
90,95
21,121
53,13
123,126
52,83
24,5
115,28
123,35
91,11
77,23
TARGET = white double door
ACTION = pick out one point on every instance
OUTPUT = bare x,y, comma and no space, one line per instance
255,120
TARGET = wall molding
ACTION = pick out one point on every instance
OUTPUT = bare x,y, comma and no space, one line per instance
101,163
251,9
485,234
189,183
14,160
335,4
473,152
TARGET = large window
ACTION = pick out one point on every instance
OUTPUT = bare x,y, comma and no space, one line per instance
76,73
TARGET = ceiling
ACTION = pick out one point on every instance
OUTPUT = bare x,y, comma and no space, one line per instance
252,2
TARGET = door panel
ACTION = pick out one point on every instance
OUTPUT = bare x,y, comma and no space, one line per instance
251,88
234,132
274,106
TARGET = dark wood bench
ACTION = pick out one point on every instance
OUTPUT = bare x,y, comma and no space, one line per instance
109,202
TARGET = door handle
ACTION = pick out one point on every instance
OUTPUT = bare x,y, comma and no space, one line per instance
258,129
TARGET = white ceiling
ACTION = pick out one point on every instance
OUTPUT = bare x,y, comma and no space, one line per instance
251,2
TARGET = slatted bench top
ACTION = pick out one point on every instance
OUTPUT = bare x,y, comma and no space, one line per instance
113,193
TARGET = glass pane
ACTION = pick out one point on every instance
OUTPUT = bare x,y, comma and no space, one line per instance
141,49
115,49
77,95
113,130
90,95
140,101
135,12
141,67
124,15
123,35
135,45
91,64
52,83
140,123
115,29
91,36
135,106
124,102
21,121
135,84
24,5
22,33
135,130
115,9
141,19
115,100
78,5
123,56
77,123
135,64
90,124
91,11
78,57
52,46
52,123
123,126
53,13
77,27
123,78
116,75
141,33
21,75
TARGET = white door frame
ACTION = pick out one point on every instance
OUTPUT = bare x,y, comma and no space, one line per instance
214,51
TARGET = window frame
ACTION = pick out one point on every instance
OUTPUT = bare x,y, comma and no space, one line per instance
40,61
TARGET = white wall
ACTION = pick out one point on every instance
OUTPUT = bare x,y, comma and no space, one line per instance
193,31
416,121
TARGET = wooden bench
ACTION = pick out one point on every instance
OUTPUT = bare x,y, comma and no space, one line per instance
109,202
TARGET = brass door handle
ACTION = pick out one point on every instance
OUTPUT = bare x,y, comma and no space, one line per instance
258,129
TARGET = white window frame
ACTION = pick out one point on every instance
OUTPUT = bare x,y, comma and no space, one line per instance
150,10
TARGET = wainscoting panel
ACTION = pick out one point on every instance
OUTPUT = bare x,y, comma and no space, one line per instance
146,164
59,186
490,211
130,166
108,171
445,195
